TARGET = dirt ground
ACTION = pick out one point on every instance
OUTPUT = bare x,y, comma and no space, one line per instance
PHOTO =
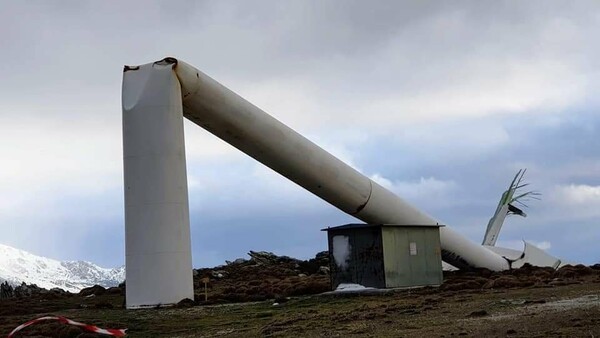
528,302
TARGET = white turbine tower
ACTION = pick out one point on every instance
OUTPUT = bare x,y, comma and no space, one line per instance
158,256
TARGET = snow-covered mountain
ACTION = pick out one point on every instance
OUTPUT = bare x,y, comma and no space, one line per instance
18,266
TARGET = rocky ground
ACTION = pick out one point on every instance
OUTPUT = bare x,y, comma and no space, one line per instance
269,295
263,276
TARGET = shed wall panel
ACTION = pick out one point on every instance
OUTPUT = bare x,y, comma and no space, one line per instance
368,257
434,261
402,268
395,259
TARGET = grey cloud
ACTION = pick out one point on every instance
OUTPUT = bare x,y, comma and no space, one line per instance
556,155
387,49
373,82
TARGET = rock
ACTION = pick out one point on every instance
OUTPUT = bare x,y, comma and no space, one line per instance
93,290
263,257
322,256
324,270
269,258
115,291
58,291
219,274
570,271
503,282
54,293
301,275
185,303
478,313
313,265
6,291
237,261
25,290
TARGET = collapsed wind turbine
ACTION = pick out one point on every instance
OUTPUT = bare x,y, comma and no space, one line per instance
156,97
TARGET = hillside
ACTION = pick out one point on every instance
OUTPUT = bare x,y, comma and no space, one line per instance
17,266
269,295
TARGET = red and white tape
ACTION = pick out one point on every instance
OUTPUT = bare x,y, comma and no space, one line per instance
63,320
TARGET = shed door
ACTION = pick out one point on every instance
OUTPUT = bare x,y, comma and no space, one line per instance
368,257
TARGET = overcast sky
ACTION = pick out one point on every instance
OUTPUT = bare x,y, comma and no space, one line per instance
440,102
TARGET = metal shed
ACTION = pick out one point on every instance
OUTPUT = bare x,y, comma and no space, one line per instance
385,255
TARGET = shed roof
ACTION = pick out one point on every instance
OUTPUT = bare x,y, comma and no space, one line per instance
364,225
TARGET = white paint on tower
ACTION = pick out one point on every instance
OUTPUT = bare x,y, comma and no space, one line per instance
341,251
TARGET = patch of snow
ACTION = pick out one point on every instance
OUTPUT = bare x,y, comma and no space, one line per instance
18,266
347,287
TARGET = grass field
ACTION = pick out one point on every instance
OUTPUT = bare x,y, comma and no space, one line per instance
551,311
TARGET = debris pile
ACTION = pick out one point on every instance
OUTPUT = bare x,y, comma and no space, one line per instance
263,276
526,276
